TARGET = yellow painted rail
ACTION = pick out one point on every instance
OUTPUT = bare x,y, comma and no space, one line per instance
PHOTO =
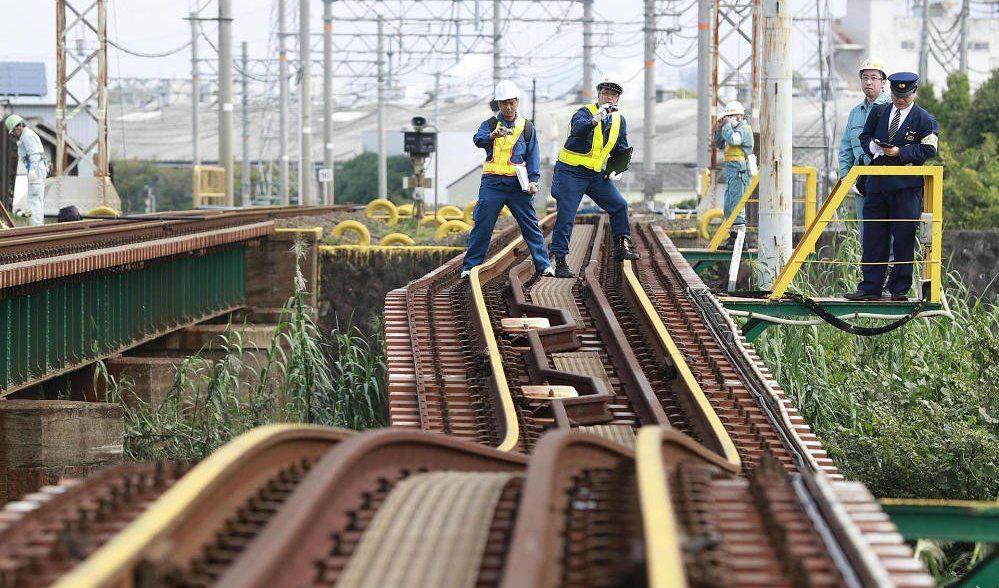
932,204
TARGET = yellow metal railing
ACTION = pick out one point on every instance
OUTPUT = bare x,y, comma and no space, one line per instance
932,205
209,186
809,200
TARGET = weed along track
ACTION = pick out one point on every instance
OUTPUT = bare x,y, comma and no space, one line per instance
609,430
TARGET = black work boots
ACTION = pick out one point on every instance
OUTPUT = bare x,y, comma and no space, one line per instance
622,248
562,269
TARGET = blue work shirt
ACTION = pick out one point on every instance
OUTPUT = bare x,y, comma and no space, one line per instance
580,138
522,153
851,153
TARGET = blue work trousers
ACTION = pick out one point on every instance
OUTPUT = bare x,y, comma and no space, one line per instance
736,181
898,237
487,210
568,186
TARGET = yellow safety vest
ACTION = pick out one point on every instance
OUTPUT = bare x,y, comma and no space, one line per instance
735,152
500,164
599,152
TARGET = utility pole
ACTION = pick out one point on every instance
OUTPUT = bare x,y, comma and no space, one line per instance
382,163
963,52
305,114
328,98
924,43
246,198
775,143
703,93
437,127
649,124
225,96
587,93
283,98
496,42
534,100
195,95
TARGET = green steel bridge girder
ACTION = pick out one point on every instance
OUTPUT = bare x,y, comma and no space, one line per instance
48,328
941,520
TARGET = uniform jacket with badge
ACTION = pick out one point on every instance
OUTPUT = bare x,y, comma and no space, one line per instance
916,139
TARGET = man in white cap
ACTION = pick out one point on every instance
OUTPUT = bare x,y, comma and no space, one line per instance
31,153
510,142
734,135
872,81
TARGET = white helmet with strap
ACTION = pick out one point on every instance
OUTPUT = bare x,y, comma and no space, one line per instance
611,82
734,107
875,64
506,90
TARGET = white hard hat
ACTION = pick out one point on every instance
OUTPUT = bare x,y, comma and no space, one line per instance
612,82
734,107
874,63
506,90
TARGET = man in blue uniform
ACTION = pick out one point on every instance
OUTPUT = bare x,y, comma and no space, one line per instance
851,153
899,133
734,135
596,132
510,142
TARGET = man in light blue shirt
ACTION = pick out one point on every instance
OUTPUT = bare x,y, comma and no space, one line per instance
872,82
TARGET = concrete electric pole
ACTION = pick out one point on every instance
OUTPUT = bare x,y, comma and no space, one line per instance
382,163
225,97
496,42
587,90
775,143
703,91
328,98
305,114
195,94
649,123
924,43
283,106
245,197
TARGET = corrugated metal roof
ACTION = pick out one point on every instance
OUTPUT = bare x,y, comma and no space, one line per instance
19,78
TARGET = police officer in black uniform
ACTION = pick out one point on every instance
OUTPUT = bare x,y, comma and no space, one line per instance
898,133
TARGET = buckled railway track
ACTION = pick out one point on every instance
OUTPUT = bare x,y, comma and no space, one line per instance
609,431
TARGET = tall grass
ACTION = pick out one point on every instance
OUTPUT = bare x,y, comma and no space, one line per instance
302,377
912,413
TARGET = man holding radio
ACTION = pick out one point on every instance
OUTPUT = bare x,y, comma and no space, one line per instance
896,134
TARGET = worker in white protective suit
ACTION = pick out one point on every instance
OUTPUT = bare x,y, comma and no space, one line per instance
30,151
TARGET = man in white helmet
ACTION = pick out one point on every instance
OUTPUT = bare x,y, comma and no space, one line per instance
872,81
510,142
31,153
734,135
596,132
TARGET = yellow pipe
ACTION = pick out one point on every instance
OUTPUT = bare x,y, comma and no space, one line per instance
664,561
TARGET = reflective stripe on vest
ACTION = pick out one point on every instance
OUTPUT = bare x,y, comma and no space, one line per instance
599,152
503,145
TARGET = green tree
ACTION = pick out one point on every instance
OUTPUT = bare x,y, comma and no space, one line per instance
971,185
172,187
980,116
356,180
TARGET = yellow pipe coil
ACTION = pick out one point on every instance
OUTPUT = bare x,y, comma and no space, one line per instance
353,226
383,210
705,220
397,239
451,226
103,211
405,210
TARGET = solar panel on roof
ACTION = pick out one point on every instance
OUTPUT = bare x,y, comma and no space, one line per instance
22,78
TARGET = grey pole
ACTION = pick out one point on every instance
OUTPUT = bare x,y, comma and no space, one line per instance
225,96
305,114
382,165
775,143
587,93
649,124
703,85
328,97
963,51
924,43
195,95
283,98
246,198
437,125
496,42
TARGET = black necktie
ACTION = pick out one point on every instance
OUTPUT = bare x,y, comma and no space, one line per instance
893,127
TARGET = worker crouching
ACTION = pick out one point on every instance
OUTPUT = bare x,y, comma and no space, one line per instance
509,178
31,153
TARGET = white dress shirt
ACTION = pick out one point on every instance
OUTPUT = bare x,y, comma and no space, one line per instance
876,149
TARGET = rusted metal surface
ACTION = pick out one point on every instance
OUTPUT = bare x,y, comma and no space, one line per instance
45,534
